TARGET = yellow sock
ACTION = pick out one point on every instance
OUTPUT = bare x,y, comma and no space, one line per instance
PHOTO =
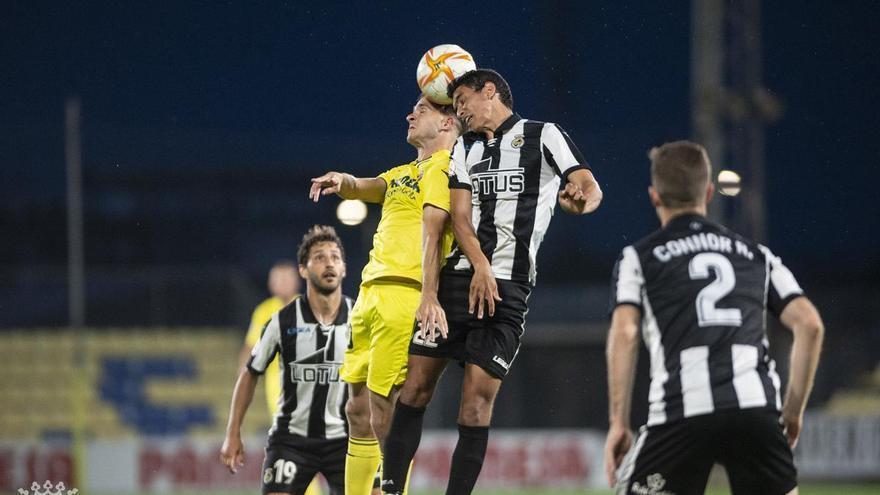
314,487
361,464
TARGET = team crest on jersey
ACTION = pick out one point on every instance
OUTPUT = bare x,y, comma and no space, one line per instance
268,475
518,141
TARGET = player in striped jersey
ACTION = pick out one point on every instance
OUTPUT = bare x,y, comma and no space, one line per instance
700,293
506,180
399,282
309,336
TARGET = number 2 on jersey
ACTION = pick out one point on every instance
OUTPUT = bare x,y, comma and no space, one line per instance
708,315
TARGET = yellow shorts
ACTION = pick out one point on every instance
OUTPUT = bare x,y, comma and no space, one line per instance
381,327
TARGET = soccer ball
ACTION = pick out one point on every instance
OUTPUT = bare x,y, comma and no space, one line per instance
438,67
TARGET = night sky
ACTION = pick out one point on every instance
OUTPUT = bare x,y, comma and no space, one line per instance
270,85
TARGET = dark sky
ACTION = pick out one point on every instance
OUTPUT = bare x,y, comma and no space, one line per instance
209,85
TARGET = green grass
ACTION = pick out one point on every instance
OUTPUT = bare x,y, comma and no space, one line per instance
806,489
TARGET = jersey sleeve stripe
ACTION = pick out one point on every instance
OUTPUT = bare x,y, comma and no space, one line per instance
628,287
267,347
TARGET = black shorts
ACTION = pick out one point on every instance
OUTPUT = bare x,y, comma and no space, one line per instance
290,466
491,343
677,457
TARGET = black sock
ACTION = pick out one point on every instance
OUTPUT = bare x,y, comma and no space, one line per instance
467,460
401,445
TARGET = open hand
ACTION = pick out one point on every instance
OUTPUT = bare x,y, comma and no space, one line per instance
484,289
431,318
329,183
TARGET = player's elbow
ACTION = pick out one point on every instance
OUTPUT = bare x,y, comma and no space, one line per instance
813,328
804,320
622,337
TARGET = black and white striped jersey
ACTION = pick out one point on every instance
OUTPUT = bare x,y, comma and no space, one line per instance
514,179
704,292
313,396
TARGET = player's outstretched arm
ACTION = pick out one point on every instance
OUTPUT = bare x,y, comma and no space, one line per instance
371,190
232,452
430,314
484,289
621,353
581,193
805,323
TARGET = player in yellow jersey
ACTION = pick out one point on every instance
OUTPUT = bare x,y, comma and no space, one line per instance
399,283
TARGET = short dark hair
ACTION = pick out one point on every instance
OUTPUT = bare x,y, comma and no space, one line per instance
315,235
477,79
680,173
447,110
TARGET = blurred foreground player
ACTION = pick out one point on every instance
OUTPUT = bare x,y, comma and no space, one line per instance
399,282
310,335
700,293
509,173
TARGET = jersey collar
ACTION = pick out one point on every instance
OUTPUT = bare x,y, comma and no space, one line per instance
309,317
685,219
507,124
436,153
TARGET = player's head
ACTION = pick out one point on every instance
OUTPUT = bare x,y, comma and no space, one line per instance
428,122
479,96
283,281
322,259
680,174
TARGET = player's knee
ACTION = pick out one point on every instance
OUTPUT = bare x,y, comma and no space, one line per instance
416,394
358,414
475,411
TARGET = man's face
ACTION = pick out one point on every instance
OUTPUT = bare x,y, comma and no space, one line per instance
325,268
474,108
424,123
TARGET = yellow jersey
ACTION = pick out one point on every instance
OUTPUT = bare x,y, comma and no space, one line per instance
262,314
397,243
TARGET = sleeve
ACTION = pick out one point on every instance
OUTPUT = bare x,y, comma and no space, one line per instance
627,280
782,287
560,152
386,175
459,178
435,183
258,322
266,348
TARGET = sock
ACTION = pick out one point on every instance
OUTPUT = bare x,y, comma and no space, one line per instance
361,463
401,445
467,460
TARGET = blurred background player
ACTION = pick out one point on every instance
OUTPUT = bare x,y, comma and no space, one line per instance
700,293
284,285
310,334
505,184
399,281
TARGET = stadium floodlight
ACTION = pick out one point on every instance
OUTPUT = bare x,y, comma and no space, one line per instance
729,183
351,211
